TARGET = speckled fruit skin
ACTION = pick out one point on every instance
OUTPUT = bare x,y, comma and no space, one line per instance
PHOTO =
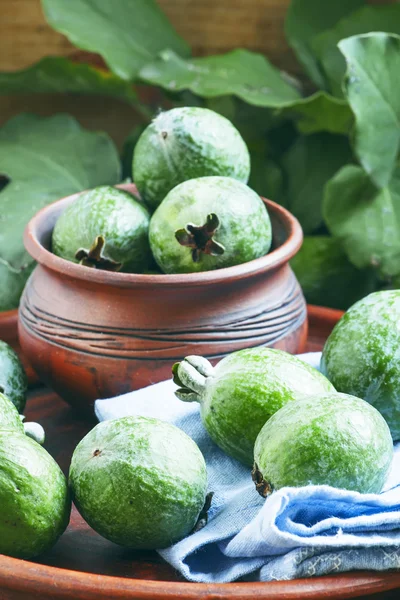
186,143
9,416
34,498
13,379
244,230
246,388
139,482
114,214
336,439
362,354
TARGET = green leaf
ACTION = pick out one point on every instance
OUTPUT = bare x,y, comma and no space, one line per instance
307,166
127,150
266,176
240,73
320,112
60,75
253,122
307,18
126,34
364,20
46,159
11,285
326,275
366,220
373,67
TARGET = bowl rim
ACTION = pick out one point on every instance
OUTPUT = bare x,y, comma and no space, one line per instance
58,582
273,260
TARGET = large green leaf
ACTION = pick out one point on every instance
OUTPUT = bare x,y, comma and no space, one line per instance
366,220
320,112
128,149
251,79
307,166
326,275
307,18
12,283
240,73
364,20
372,86
266,176
60,75
126,34
46,159
253,122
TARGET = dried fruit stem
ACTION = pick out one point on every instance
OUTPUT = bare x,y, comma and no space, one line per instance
203,516
94,257
191,375
263,487
200,238
191,378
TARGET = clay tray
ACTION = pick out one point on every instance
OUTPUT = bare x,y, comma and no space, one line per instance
83,565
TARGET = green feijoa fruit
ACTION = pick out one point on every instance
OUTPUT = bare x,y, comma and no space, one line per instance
186,143
13,379
104,228
362,354
336,440
243,391
209,223
139,482
34,498
9,416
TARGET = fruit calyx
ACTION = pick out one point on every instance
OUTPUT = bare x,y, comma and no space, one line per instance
203,516
200,238
263,487
94,257
191,375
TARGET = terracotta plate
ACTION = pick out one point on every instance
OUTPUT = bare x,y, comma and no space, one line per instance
83,565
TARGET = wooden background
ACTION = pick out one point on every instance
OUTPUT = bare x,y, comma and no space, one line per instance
210,26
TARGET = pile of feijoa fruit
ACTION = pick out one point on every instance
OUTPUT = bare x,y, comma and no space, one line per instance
193,212
142,483
35,501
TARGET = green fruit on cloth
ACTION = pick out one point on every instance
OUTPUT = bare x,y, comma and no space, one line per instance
362,354
243,391
104,228
186,143
139,482
335,440
13,379
209,223
34,499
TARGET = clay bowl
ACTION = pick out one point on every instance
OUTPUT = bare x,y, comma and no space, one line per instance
94,334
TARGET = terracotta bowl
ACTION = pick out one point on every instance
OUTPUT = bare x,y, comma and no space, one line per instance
94,334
